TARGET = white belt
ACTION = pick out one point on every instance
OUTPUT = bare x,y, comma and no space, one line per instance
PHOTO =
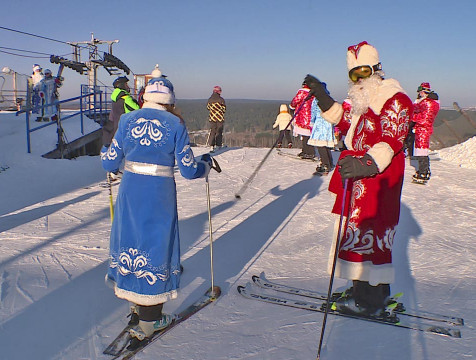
148,169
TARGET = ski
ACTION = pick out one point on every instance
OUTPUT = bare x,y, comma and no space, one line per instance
263,282
207,298
400,320
295,157
119,343
419,182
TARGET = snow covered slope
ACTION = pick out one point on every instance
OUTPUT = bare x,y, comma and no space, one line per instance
54,229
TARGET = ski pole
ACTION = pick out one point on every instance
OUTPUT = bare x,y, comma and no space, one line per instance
111,205
217,168
250,179
331,280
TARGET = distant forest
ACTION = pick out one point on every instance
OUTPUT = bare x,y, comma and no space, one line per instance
250,123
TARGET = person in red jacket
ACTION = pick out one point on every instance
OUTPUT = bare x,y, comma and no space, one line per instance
425,109
302,121
374,121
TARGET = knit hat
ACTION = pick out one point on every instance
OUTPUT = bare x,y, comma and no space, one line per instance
362,54
217,89
47,71
36,67
425,86
283,108
159,90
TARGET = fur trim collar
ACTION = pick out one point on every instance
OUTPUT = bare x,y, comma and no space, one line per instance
152,105
389,88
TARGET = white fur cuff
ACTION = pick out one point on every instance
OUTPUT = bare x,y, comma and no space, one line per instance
382,153
334,114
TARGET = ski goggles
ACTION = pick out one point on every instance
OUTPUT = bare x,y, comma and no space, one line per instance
421,88
363,71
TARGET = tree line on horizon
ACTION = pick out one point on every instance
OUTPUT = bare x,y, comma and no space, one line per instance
250,123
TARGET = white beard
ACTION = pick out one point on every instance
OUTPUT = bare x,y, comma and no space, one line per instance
362,92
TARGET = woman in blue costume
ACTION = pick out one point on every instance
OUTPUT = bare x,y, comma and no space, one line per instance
144,264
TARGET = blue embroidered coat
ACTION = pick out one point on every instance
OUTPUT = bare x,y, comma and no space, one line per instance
322,133
144,250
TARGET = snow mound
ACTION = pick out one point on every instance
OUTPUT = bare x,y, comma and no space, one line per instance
462,154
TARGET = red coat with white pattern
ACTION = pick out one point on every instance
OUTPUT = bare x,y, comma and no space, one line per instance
372,204
424,114
303,118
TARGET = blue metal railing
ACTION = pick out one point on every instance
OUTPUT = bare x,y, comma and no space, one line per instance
93,103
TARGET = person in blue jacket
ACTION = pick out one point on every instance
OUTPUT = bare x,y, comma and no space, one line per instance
144,255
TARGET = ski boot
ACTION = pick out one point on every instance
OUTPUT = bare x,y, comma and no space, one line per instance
144,330
322,170
134,316
421,177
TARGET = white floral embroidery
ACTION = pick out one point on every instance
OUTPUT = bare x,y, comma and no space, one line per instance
364,243
111,152
395,121
131,262
148,131
360,244
187,159
387,240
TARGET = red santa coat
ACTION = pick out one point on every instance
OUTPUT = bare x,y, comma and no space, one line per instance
302,121
424,114
372,208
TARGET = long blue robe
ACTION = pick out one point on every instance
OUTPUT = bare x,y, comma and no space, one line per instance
145,247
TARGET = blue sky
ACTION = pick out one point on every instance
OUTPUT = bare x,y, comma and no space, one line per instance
259,49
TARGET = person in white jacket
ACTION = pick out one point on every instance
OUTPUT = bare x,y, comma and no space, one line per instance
282,120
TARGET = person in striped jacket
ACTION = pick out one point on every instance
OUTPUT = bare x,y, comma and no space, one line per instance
216,116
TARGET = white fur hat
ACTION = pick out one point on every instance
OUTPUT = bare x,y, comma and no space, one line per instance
159,89
362,54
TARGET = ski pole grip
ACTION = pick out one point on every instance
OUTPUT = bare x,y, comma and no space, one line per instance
215,166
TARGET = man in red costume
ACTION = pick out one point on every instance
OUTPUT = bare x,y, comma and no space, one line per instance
375,121
425,109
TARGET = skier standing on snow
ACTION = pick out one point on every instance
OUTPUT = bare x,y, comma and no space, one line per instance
216,117
122,103
302,121
426,107
36,100
282,121
375,123
144,250
322,137
49,93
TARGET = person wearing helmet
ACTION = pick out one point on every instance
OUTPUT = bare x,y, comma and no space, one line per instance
122,103
144,252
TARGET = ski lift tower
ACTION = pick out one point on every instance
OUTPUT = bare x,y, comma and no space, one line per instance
95,59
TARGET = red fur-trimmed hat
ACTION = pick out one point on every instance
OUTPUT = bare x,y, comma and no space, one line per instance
425,86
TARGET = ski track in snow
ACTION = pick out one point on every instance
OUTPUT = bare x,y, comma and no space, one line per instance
22,291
